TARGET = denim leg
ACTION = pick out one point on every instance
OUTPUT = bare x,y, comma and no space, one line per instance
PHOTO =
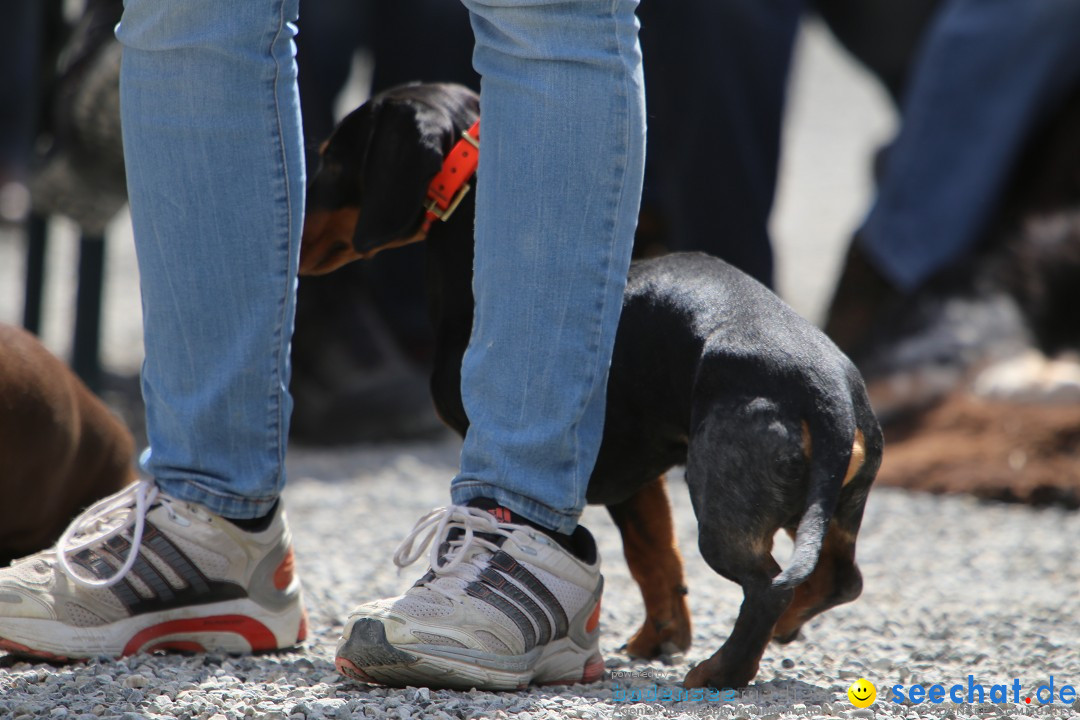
215,169
559,187
990,71
883,35
20,50
716,80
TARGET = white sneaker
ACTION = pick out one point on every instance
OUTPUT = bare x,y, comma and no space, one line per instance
142,571
502,606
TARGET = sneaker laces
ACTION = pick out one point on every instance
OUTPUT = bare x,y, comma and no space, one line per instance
447,556
103,521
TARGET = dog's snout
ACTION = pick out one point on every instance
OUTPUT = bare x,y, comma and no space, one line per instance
326,244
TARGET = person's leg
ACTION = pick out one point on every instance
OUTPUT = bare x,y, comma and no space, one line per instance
561,160
436,50
216,179
20,55
883,35
559,187
331,32
212,139
716,78
989,72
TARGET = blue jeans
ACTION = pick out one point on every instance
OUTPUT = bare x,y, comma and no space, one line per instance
559,186
215,169
989,72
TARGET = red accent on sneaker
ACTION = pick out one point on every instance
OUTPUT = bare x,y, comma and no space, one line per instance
301,634
13,647
283,576
594,669
594,620
257,635
349,669
501,514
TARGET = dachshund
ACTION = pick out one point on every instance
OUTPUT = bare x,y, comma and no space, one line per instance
710,370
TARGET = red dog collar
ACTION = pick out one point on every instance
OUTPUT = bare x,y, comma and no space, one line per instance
452,182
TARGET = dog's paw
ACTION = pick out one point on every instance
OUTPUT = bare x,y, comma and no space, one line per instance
789,637
665,641
716,673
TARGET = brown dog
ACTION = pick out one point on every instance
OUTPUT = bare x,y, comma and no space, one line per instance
60,447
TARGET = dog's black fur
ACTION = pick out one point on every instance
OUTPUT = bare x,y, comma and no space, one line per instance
710,370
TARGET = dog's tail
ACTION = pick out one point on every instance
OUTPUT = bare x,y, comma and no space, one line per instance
831,428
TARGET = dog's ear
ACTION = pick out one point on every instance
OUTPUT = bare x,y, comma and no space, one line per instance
404,153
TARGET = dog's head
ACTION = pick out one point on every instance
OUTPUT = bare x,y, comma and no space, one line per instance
368,193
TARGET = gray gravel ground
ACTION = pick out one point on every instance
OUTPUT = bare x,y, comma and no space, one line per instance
953,587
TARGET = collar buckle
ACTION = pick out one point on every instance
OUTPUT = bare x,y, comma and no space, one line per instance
451,184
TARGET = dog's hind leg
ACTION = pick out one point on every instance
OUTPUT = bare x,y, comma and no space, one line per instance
836,579
744,469
736,663
652,554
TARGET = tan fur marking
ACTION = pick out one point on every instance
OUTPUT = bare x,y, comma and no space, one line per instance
858,451
326,244
858,456
837,550
327,241
652,555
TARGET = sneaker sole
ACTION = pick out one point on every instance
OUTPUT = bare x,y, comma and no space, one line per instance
367,656
234,626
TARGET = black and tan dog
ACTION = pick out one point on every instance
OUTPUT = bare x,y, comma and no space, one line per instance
710,370
61,448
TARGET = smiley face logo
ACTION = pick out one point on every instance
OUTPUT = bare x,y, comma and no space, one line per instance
862,693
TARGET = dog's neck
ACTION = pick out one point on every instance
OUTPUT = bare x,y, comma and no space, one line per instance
450,306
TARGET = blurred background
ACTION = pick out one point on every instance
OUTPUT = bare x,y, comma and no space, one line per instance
837,117
904,173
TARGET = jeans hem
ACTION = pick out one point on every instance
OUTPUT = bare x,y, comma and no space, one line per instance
563,521
227,505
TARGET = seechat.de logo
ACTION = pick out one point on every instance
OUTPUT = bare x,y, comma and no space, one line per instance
862,693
